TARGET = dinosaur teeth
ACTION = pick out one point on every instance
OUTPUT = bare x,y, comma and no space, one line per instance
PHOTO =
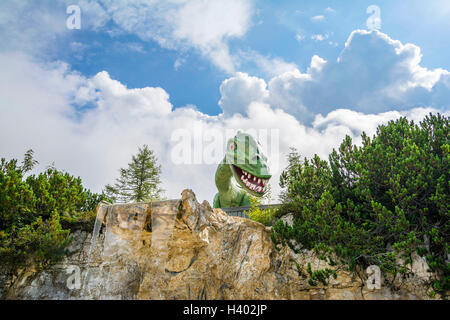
256,184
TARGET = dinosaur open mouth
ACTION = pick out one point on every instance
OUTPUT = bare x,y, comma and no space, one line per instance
252,183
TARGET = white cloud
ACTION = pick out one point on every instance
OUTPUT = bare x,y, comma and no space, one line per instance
22,21
139,103
93,14
238,92
200,25
330,10
206,26
95,143
372,74
267,66
318,18
359,122
313,110
179,62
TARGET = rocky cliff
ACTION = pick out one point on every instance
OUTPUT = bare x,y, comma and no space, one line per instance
185,250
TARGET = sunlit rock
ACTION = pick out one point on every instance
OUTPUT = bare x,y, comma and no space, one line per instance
181,249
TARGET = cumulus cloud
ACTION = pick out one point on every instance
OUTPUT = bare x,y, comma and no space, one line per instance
372,74
90,126
99,140
238,92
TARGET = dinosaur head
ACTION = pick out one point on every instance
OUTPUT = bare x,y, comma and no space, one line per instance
248,164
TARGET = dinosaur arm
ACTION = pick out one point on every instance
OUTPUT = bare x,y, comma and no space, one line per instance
229,195
223,177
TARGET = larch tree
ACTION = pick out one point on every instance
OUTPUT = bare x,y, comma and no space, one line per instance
140,181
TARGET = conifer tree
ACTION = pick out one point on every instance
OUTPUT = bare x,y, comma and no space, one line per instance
28,162
37,214
140,181
375,204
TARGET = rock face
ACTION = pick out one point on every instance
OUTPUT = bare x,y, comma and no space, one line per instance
181,249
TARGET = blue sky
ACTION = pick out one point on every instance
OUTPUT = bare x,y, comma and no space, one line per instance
138,71
274,32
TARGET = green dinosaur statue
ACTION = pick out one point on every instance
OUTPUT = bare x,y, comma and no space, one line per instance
243,171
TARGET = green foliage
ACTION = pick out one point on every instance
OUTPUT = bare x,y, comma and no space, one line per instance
375,203
320,275
264,216
33,210
140,181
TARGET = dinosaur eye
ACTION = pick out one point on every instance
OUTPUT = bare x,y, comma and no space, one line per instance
256,158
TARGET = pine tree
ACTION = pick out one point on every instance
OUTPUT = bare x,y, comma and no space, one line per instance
377,203
140,181
38,212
